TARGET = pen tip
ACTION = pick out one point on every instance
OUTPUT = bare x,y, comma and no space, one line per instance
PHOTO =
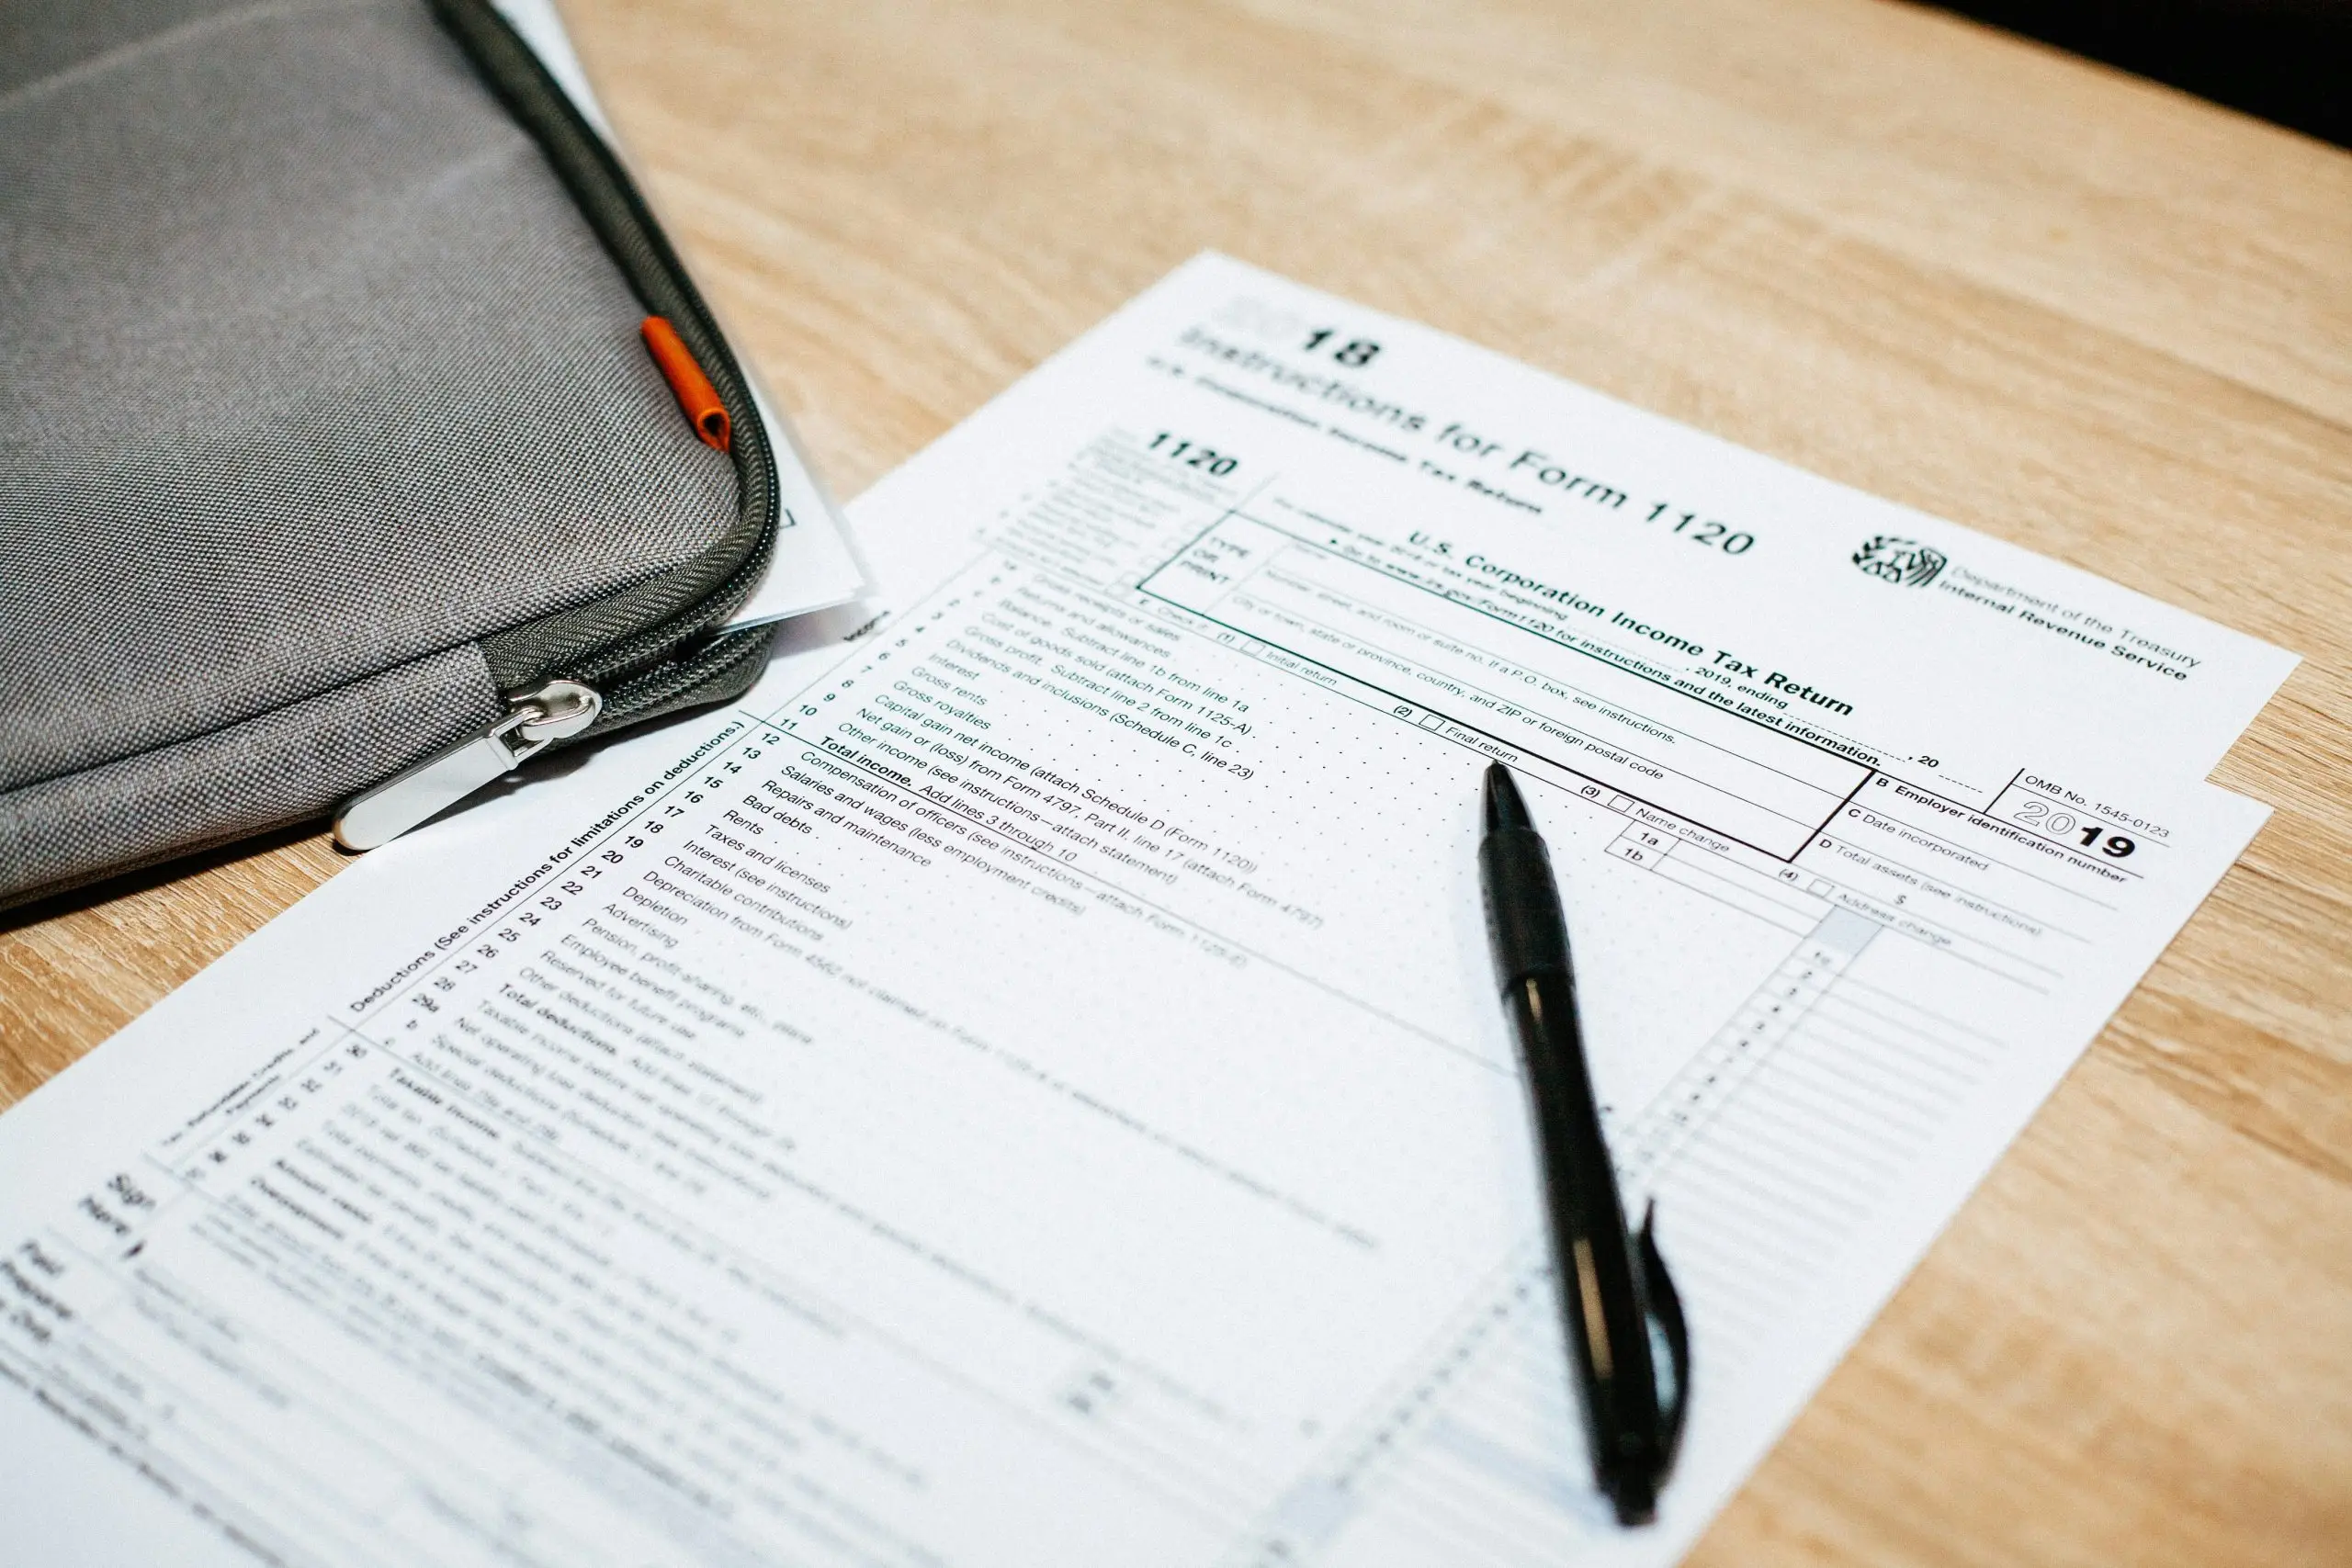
1505,811
1635,1499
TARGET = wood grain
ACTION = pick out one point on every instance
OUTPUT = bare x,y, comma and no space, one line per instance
2076,311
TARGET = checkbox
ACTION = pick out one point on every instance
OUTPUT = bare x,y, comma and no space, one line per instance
1820,890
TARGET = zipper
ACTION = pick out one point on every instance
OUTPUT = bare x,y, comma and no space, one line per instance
628,644
624,633
557,711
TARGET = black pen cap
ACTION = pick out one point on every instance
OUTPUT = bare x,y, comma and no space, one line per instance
1524,918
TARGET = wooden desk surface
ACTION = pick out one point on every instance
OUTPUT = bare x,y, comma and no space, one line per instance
2089,315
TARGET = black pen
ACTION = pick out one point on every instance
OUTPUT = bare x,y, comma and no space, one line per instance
1612,1287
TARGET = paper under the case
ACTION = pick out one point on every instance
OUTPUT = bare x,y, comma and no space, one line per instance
814,562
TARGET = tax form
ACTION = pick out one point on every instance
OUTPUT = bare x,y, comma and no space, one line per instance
1027,1088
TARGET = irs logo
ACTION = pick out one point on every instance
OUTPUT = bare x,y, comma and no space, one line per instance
1906,561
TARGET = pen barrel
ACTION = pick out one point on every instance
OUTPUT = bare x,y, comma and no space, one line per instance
1523,920
1602,1307
1602,1311
1601,1292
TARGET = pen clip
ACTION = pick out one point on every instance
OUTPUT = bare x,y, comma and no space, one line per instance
1664,1306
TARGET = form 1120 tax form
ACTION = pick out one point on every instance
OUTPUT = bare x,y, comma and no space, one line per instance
1025,1087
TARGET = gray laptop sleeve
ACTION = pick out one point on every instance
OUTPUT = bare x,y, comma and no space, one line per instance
330,453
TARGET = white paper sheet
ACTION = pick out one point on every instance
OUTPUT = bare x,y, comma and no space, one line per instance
1025,1087
815,564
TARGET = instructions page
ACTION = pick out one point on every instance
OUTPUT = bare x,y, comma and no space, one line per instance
1027,1086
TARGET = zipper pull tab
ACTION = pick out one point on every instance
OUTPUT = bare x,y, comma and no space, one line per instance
557,711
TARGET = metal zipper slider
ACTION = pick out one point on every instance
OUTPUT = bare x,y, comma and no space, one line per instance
538,719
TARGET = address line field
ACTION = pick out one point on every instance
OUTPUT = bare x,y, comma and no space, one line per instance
1716,769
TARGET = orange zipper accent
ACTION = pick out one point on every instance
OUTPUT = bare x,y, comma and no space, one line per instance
695,392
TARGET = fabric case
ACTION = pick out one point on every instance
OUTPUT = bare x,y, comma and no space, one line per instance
332,451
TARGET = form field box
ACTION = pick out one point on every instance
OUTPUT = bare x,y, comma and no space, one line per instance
1640,742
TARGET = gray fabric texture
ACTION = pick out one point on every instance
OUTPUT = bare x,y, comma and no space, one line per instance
314,376
312,369
266,772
